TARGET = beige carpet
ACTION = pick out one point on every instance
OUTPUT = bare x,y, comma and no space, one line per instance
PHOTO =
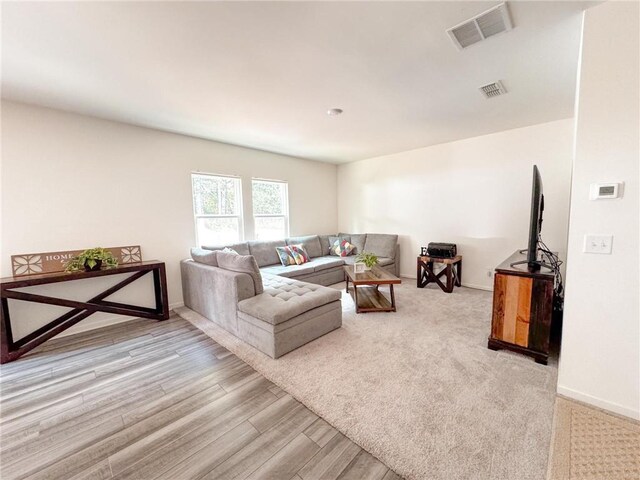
419,389
589,444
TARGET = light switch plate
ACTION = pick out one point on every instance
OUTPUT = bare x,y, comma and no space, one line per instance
598,244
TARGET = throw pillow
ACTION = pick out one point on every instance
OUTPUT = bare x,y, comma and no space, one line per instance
292,255
332,241
299,253
286,256
341,248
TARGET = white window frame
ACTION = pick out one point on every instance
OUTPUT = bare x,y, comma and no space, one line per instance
285,213
239,216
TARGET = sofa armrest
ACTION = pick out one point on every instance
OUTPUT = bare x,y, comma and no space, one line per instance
396,260
214,292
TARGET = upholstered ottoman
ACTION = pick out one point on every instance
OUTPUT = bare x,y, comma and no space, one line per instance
288,314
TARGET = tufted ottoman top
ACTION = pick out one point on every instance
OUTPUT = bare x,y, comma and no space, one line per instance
285,298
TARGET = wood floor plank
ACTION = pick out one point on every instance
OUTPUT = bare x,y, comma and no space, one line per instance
320,432
32,464
247,460
288,460
331,460
18,422
213,454
115,405
98,451
83,407
277,391
99,471
164,435
364,467
235,381
24,405
391,475
211,425
222,369
273,414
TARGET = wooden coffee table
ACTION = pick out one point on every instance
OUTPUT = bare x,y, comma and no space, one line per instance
366,289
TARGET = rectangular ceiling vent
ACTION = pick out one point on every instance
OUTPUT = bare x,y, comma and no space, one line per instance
493,89
487,24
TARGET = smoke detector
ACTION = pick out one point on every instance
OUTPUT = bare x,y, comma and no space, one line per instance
494,89
492,22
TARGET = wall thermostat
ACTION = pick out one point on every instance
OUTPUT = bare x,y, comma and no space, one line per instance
600,191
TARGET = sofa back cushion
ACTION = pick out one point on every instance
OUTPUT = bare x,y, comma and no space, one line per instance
240,248
383,245
357,240
265,252
310,243
325,245
207,257
241,264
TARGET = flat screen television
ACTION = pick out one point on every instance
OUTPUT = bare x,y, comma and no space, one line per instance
535,224
535,221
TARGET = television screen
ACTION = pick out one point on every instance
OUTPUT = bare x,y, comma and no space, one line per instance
535,222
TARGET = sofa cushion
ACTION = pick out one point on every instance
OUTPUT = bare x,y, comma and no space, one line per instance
240,248
241,264
265,252
202,255
325,245
310,243
288,271
285,298
324,263
357,240
384,261
383,245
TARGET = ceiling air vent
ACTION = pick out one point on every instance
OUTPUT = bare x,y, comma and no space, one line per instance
493,89
487,24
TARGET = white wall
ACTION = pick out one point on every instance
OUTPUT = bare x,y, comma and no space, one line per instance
475,193
600,360
73,182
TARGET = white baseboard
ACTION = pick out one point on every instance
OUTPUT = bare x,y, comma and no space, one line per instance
478,287
464,284
598,402
88,324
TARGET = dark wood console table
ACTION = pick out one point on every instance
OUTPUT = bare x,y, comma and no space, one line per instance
12,349
522,309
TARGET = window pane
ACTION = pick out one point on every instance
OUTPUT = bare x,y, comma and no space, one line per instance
268,198
218,231
215,195
270,228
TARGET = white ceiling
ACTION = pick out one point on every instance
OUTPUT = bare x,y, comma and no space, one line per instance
263,74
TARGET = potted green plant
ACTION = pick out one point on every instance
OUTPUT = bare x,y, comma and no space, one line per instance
369,259
91,260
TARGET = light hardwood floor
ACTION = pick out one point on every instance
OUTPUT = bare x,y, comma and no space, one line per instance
146,400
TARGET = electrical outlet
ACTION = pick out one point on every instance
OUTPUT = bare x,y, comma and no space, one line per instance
598,244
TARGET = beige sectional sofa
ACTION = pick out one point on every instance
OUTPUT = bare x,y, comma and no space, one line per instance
276,309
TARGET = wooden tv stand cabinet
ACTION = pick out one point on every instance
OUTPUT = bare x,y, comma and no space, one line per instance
522,309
